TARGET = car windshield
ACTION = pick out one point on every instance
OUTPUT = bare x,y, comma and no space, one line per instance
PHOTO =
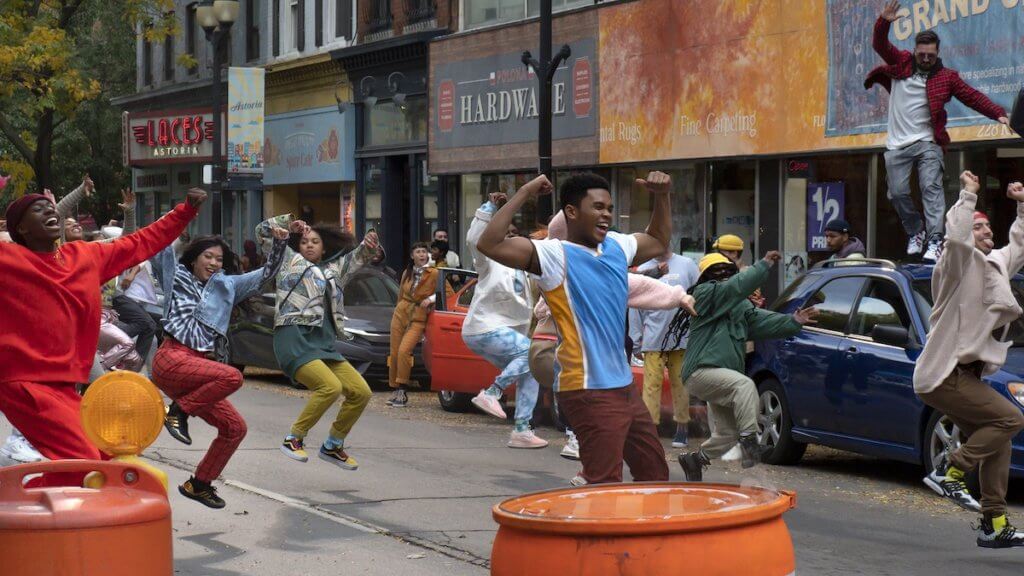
923,300
371,290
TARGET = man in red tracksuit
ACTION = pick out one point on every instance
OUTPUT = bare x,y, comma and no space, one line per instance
919,88
50,320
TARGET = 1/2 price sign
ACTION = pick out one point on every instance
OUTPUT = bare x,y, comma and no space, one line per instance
826,202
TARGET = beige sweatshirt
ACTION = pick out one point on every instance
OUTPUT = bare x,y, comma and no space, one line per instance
972,299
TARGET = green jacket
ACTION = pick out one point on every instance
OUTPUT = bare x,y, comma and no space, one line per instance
726,320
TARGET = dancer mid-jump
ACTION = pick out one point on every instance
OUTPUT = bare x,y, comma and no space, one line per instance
973,307
919,87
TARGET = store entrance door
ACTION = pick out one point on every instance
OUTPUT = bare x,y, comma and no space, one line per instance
733,196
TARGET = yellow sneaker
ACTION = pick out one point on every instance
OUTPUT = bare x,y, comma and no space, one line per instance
293,448
338,457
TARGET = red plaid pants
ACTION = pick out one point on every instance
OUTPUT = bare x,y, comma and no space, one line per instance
200,387
48,416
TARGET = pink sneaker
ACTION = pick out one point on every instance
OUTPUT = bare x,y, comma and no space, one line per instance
526,440
489,405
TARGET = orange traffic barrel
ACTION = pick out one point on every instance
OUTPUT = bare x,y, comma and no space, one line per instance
644,529
121,529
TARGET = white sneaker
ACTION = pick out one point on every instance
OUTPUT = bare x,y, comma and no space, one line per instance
526,439
489,405
916,244
19,450
571,450
934,250
578,480
733,455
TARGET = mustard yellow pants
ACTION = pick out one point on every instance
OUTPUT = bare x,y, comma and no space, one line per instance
655,364
405,335
329,380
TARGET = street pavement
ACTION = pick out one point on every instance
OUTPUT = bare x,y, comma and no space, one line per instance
420,502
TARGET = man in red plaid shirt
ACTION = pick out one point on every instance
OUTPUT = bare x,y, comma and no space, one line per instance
919,87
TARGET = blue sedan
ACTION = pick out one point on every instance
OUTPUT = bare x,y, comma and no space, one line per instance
846,382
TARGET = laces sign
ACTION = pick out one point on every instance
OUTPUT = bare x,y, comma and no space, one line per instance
826,202
169,137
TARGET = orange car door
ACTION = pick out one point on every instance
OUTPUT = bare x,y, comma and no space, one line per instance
451,364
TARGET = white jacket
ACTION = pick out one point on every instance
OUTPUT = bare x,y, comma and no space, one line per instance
972,296
497,303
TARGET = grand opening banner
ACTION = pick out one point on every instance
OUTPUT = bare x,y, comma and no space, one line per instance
709,78
982,39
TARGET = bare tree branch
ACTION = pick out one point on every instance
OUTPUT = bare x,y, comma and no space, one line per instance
14,138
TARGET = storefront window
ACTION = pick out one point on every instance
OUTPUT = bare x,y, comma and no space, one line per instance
634,206
373,186
813,188
387,124
733,200
476,188
429,188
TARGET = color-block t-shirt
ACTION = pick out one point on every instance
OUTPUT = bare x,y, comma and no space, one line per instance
587,291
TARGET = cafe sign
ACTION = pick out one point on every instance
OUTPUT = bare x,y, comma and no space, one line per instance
170,137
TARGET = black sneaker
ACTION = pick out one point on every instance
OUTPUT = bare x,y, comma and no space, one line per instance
1008,537
399,399
693,464
201,492
176,422
752,450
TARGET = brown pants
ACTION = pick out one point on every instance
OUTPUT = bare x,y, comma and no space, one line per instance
405,335
990,421
612,426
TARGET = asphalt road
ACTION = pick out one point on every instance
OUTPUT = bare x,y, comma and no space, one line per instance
420,501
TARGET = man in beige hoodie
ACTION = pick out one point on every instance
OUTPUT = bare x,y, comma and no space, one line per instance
973,309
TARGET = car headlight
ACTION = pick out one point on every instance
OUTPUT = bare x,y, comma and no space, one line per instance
1016,390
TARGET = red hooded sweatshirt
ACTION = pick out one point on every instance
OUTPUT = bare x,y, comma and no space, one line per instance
50,302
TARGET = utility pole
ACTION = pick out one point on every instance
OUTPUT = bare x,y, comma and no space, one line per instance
545,70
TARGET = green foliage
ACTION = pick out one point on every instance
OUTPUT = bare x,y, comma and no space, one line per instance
60,64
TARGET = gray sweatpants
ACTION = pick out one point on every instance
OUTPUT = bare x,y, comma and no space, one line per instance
732,402
898,165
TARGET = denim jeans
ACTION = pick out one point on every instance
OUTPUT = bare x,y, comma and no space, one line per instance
898,166
509,351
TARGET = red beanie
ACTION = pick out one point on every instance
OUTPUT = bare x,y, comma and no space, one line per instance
17,210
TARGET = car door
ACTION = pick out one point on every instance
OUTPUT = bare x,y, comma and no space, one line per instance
878,392
451,364
810,360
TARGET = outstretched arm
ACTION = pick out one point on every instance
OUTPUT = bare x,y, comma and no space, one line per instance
1013,253
880,41
127,207
960,230
978,101
127,251
249,284
67,204
518,253
656,239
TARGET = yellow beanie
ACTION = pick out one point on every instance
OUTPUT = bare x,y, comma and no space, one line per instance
710,260
728,242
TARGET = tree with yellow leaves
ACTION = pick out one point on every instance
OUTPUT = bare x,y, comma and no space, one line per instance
45,76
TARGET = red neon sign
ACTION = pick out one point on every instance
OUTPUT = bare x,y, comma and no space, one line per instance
175,131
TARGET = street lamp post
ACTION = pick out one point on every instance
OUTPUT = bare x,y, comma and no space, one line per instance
545,70
216,18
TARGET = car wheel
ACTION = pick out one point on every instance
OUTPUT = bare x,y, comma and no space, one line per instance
775,425
942,436
454,401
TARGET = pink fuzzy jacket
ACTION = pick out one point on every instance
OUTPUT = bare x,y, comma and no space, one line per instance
644,292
